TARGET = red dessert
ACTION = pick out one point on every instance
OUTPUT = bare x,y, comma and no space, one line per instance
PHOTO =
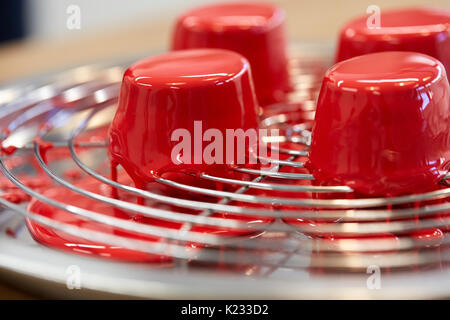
191,91
419,30
382,125
254,30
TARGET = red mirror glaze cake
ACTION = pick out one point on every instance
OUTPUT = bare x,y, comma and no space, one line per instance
178,91
382,125
255,30
420,30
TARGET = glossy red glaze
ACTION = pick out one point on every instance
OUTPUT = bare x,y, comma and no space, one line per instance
382,124
170,91
63,241
419,30
433,235
255,30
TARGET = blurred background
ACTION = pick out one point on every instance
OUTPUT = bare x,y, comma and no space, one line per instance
42,35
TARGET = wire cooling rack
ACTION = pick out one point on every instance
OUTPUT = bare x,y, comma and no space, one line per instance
268,233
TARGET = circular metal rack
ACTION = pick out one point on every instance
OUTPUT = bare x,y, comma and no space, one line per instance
287,237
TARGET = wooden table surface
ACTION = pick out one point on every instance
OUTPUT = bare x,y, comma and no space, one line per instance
10,293
306,20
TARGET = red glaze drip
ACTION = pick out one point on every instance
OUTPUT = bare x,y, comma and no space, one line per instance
9,150
383,124
254,30
6,132
170,91
420,30
433,236
40,181
73,174
389,240
44,147
63,241
15,196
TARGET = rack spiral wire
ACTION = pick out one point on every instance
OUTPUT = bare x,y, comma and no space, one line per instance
30,116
